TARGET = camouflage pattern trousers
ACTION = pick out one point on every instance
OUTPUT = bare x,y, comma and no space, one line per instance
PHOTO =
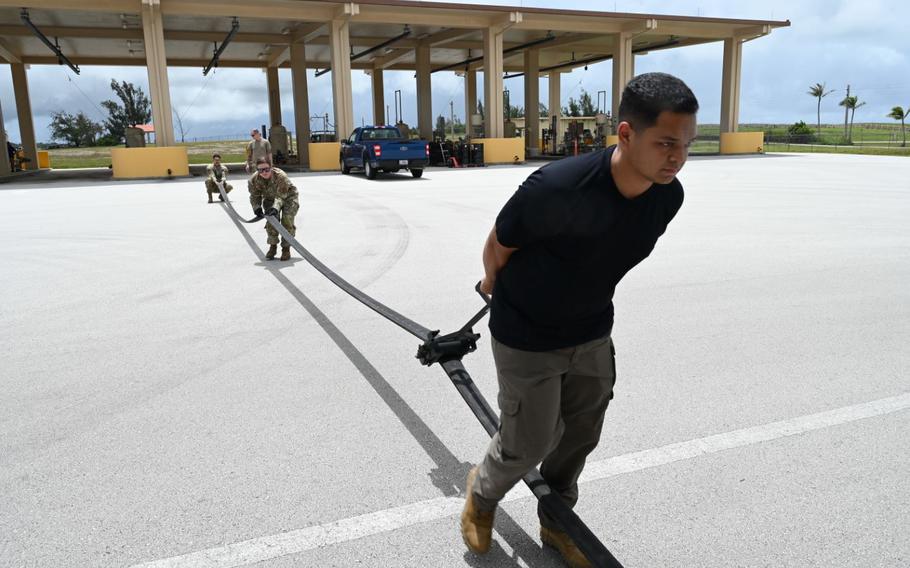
287,214
212,188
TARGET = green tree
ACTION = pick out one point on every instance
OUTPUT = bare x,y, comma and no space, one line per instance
850,104
515,112
134,108
898,113
573,108
480,109
818,91
543,110
856,105
587,106
440,131
800,133
78,130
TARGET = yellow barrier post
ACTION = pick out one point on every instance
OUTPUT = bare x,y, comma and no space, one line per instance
150,162
325,156
502,150
742,142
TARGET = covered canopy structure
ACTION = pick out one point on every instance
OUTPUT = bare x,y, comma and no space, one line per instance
370,35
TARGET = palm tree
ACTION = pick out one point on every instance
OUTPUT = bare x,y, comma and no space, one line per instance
846,102
854,104
898,113
818,91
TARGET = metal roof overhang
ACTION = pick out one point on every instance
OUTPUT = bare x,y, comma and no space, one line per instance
109,32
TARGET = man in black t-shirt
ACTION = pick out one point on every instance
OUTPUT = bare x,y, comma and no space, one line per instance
552,262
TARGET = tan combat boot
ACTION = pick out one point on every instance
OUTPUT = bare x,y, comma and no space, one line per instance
273,250
476,525
285,253
565,546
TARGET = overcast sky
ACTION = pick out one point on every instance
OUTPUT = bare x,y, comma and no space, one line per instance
865,44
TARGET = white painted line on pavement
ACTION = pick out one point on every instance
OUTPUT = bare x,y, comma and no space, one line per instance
294,542
637,461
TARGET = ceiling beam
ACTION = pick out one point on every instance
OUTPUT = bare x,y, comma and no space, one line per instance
713,32
191,62
593,25
260,9
112,6
448,36
755,32
392,58
307,32
279,55
301,34
575,39
441,17
136,34
8,53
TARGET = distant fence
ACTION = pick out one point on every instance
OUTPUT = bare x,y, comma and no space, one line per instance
811,141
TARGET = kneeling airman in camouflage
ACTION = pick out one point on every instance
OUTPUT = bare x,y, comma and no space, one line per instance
216,172
273,193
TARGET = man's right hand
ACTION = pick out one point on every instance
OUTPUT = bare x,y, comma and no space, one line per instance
258,212
486,286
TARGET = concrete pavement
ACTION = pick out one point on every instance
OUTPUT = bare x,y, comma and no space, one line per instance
170,397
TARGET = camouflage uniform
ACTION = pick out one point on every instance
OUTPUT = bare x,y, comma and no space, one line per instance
215,174
279,192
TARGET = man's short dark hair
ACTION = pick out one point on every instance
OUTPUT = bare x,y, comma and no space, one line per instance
216,156
649,94
262,161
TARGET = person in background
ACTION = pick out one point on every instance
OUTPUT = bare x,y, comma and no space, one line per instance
257,148
216,173
273,193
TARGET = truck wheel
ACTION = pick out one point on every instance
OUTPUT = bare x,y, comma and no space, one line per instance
417,173
368,169
345,169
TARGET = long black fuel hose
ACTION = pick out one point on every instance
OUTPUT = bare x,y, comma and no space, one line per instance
447,350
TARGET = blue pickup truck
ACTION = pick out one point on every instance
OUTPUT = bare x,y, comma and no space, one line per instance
383,149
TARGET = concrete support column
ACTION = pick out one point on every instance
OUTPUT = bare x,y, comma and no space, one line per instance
340,45
378,98
424,92
492,83
470,98
554,104
622,69
271,74
156,62
301,102
729,97
532,100
24,108
5,167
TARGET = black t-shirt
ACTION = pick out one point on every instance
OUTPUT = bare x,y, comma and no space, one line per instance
576,236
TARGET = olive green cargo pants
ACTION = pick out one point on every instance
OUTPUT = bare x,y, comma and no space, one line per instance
552,410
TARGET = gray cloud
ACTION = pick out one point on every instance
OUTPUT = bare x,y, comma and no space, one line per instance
864,44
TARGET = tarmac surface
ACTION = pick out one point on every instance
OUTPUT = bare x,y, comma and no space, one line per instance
170,398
